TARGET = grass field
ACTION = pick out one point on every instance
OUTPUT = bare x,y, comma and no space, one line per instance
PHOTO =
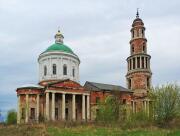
82,130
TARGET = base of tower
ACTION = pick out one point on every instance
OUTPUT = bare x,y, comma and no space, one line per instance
140,93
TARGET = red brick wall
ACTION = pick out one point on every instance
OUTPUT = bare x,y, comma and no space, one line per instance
102,95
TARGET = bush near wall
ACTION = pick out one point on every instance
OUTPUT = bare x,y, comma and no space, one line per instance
11,117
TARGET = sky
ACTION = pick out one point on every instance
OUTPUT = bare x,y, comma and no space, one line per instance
98,31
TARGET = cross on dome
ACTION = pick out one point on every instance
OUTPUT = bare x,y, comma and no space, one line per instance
59,37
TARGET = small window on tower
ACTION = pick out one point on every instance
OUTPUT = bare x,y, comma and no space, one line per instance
54,69
132,48
148,82
45,70
133,34
142,33
129,84
137,33
144,48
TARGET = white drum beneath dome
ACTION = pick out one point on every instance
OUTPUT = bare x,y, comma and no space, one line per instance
58,62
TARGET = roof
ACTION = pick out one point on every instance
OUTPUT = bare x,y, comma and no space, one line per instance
108,87
59,47
31,86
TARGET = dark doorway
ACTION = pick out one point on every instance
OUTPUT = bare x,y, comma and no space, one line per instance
56,113
32,113
66,113
76,114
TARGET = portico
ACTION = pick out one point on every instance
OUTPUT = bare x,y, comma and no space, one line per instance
67,106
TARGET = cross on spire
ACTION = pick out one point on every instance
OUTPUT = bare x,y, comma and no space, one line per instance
137,14
58,28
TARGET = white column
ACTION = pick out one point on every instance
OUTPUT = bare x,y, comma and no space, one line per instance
83,107
27,108
145,62
63,106
37,108
53,106
74,107
18,110
140,62
47,105
88,108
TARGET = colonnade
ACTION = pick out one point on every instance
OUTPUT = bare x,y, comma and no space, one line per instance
145,106
85,106
139,62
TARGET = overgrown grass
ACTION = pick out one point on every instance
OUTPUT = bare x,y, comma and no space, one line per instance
51,129
107,131
23,130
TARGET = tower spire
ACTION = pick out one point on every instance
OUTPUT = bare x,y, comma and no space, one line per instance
139,72
137,14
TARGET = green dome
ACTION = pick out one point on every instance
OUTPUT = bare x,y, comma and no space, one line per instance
59,47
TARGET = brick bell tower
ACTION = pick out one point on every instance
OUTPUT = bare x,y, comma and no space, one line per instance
139,73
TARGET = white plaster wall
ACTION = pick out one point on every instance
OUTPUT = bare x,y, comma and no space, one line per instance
59,58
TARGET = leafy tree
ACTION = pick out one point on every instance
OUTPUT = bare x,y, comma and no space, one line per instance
11,117
166,101
108,110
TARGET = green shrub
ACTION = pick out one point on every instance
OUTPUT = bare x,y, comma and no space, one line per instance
166,103
135,120
11,117
108,110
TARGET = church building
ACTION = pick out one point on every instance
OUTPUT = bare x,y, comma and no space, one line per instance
58,96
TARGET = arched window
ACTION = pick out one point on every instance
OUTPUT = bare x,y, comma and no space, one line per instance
142,33
45,70
132,48
54,69
144,47
137,33
133,34
148,82
73,72
64,70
